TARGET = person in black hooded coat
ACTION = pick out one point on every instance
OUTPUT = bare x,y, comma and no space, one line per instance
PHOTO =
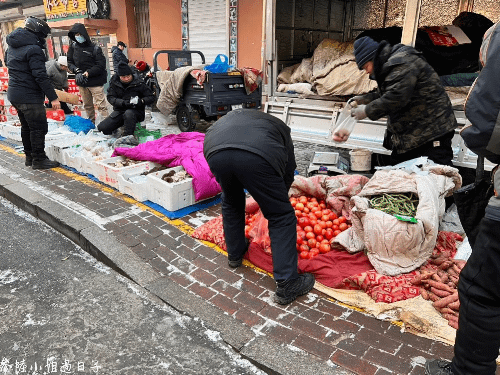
28,87
87,61
128,94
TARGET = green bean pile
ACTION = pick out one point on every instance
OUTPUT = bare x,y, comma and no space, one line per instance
399,204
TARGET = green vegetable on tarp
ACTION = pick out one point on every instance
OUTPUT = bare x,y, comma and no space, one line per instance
144,135
403,205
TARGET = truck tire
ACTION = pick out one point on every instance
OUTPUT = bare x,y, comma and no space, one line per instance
185,119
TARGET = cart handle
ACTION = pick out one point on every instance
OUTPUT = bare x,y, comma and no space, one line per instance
167,51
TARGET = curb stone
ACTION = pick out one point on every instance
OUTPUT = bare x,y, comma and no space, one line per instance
264,352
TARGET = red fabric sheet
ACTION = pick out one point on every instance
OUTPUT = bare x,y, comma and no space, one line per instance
340,269
390,289
329,269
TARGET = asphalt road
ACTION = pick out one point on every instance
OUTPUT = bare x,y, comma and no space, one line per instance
63,312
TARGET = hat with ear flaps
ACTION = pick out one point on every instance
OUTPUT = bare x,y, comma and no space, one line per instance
364,50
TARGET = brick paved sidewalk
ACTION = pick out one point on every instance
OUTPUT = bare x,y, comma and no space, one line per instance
332,334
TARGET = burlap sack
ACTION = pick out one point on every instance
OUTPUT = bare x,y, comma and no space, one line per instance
285,75
303,73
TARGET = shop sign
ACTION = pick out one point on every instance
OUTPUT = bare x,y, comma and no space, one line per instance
65,9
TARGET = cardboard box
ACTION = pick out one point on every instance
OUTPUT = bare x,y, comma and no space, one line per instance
67,97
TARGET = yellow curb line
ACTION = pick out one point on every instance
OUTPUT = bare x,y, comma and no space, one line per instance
179,224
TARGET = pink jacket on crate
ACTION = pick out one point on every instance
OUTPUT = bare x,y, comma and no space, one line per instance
184,149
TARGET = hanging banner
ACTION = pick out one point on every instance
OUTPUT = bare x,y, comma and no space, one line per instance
64,9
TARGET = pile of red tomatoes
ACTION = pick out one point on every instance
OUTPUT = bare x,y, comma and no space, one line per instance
316,226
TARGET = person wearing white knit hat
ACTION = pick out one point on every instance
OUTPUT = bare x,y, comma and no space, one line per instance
57,70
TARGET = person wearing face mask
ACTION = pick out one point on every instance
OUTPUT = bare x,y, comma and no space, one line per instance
87,62
128,94
421,121
28,87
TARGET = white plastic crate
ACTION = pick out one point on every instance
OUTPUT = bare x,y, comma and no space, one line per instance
108,174
172,196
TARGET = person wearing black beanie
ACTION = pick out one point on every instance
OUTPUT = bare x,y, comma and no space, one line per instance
123,70
129,95
421,121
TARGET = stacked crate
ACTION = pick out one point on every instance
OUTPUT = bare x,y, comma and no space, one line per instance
73,89
7,111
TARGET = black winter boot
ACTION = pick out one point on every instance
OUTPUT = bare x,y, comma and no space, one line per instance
44,164
287,291
438,367
235,263
29,160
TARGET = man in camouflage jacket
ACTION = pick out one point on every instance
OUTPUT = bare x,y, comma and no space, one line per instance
421,121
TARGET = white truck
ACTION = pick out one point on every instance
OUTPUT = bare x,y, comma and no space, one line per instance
293,28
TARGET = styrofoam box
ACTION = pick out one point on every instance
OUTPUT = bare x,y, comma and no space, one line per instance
71,158
87,164
55,152
138,191
12,132
108,174
172,196
55,136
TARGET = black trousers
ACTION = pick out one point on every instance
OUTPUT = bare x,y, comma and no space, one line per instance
478,337
439,154
128,119
33,128
236,170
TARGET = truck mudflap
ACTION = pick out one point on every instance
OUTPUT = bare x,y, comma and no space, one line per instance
313,121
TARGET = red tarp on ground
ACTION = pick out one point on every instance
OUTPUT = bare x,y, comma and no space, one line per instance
340,269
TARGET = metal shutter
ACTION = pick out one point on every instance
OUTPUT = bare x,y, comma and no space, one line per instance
208,28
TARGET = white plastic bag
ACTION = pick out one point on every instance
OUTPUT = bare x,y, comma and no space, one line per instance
345,125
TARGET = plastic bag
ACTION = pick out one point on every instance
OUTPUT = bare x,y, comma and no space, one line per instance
451,221
220,65
345,125
259,233
79,124
144,135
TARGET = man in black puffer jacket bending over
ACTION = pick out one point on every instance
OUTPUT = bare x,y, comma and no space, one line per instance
128,94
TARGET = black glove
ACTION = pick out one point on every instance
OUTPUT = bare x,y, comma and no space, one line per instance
80,79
